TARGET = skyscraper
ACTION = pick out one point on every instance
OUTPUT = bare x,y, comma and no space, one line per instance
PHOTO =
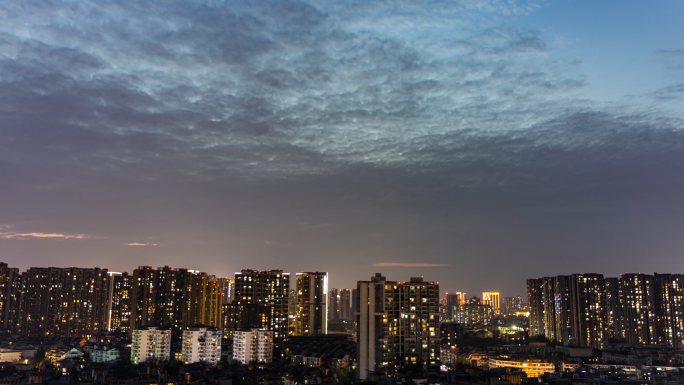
535,302
613,309
589,314
397,325
120,301
669,308
312,303
262,300
638,291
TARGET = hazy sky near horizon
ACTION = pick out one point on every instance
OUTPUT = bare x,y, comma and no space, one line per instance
487,141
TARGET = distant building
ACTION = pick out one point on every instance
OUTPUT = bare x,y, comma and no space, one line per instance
492,299
9,355
533,368
312,303
333,300
151,343
253,345
339,304
474,313
201,344
453,300
103,353
397,325
512,305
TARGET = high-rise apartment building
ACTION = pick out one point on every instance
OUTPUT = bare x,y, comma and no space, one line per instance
312,303
590,310
10,298
261,301
397,325
669,308
492,299
120,304
201,344
613,309
177,298
69,302
535,303
569,309
640,320
562,309
151,343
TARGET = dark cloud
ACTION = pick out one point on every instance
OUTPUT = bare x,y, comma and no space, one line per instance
325,131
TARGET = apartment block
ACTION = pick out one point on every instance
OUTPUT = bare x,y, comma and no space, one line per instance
201,344
253,345
151,343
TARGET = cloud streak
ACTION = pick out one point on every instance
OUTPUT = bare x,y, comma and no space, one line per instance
23,236
140,244
398,264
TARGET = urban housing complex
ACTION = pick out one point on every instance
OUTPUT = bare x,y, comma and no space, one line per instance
394,326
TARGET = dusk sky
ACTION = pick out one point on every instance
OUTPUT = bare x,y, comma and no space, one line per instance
488,141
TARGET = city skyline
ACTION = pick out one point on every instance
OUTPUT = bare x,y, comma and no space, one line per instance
477,143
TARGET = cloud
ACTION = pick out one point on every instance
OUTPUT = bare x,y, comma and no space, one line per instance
140,244
393,264
15,235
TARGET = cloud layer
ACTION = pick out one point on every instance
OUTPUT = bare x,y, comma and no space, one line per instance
295,132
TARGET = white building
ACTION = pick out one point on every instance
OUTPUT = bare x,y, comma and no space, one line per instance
7,355
253,345
201,344
103,353
151,343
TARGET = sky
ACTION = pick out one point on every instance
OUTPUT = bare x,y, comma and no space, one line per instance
476,143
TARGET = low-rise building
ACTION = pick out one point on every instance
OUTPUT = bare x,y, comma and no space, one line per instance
253,345
151,343
103,353
201,344
533,368
9,355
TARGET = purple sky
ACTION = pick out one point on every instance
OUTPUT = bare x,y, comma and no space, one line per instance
487,141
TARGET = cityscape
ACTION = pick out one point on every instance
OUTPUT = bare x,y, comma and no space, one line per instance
341,192
66,319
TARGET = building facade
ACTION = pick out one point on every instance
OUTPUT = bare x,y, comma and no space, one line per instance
201,344
261,301
253,345
492,299
151,343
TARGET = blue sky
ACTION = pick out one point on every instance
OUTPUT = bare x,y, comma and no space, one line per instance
496,139
615,41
